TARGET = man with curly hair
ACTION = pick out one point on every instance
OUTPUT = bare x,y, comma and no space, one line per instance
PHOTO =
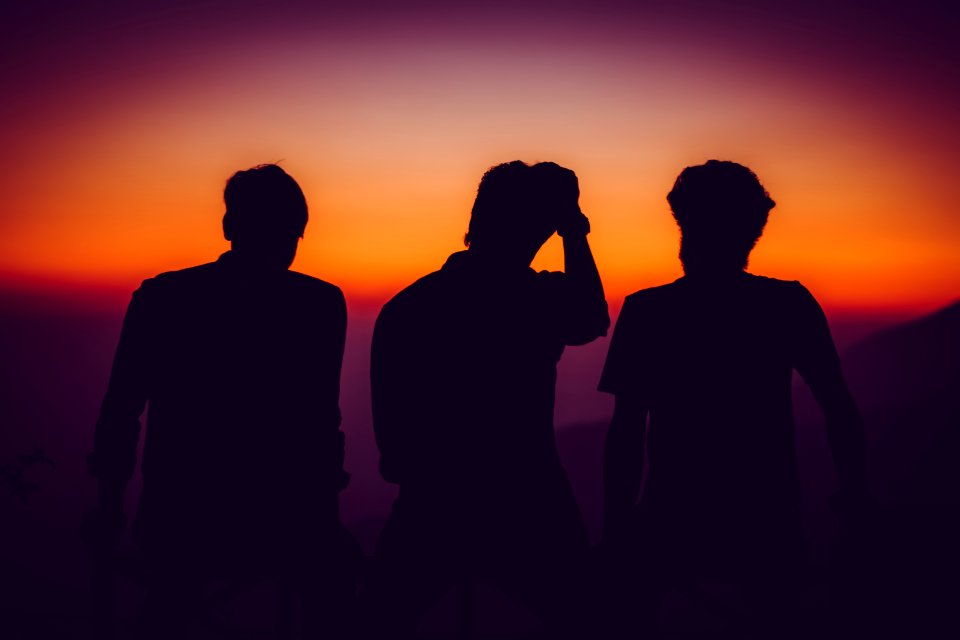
701,370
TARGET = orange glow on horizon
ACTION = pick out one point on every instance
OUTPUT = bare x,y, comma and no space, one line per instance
389,148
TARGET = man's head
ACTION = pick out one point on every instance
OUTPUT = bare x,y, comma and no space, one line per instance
266,216
721,209
516,209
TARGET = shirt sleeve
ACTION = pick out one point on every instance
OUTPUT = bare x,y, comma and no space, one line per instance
622,370
118,427
814,354
580,313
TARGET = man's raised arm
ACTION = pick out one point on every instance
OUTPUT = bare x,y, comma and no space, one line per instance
585,312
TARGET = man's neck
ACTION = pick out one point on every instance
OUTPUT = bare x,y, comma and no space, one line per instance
499,260
243,263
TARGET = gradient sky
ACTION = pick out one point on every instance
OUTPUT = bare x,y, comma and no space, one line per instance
120,125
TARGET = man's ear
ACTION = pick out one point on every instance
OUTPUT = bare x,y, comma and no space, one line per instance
228,227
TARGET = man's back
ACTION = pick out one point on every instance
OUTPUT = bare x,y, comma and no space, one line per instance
464,372
241,374
709,359
238,365
713,362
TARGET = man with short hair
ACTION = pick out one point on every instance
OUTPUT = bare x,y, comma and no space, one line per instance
238,363
463,372
708,359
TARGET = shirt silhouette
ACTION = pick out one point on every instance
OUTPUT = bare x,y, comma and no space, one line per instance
240,372
463,376
464,373
712,361
708,360
237,363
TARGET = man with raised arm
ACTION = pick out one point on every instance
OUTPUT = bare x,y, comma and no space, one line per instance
464,366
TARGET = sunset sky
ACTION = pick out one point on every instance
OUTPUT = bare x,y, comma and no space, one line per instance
120,125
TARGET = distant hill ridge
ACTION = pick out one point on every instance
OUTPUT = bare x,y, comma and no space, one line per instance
907,380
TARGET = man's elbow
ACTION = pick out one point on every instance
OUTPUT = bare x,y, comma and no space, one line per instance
589,328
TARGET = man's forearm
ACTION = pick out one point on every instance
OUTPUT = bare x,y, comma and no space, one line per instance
622,469
585,309
579,265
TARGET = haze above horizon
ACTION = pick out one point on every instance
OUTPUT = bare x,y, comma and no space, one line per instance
124,123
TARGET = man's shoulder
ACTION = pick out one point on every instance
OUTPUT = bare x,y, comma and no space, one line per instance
774,283
175,287
675,290
172,280
653,294
783,293
314,285
421,291
205,273
414,301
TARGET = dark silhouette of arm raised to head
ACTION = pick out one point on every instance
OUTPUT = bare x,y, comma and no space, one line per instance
582,312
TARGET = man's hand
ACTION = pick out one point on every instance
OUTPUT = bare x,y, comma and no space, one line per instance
561,193
573,225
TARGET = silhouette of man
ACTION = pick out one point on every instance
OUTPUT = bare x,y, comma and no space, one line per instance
709,360
238,362
463,377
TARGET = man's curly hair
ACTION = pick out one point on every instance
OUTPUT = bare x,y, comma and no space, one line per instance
721,209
